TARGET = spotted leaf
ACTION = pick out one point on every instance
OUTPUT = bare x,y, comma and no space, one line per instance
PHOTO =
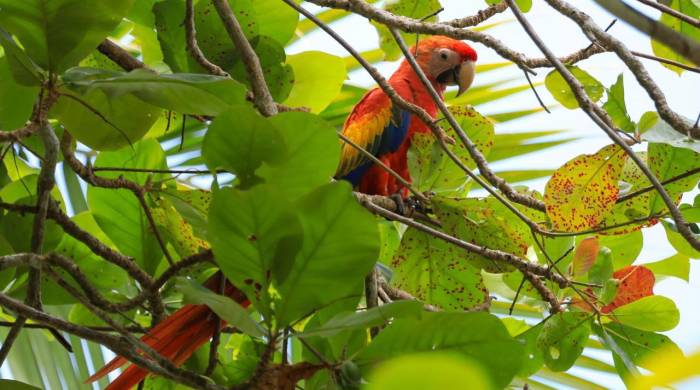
582,192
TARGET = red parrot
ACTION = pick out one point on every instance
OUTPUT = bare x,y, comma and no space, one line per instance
376,125
385,130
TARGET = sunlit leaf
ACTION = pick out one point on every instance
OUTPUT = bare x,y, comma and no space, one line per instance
487,341
584,190
677,265
616,107
653,313
41,27
585,255
559,88
563,338
689,8
318,77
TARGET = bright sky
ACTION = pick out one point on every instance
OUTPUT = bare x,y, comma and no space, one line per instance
563,37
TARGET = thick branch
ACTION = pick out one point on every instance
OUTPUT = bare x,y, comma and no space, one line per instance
495,255
193,47
595,33
668,10
681,44
263,99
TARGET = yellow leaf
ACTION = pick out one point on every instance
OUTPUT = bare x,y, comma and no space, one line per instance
668,367
582,192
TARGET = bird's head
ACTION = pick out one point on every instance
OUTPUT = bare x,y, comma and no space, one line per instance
446,61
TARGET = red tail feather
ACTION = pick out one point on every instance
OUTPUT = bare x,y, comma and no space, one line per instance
175,338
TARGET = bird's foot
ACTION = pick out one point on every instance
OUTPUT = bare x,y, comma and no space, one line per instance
401,206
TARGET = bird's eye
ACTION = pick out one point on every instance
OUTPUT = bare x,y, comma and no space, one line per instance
443,55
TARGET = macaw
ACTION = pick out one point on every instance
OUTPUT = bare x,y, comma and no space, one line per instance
376,125
385,130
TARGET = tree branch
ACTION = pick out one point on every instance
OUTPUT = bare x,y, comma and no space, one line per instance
263,100
588,106
193,47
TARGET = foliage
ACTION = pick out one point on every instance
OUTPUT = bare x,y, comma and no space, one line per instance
166,165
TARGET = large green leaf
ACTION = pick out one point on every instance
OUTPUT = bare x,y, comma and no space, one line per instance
561,91
118,212
103,122
638,344
341,243
187,93
253,233
480,336
667,162
23,69
677,265
57,34
311,157
689,8
16,100
654,313
437,272
318,77
429,372
240,140
563,338
431,168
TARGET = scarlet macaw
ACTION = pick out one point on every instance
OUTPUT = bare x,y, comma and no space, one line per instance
385,130
376,125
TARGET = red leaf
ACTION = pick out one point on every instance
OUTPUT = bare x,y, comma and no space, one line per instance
585,255
636,282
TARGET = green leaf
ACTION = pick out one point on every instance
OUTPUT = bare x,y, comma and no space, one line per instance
625,248
416,9
689,8
109,123
638,345
534,356
602,269
616,108
677,265
341,243
105,276
118,212
57,34
431,168
186,93
318,77
24,70
437,273
176,230
16,100
487,341
256,140
563,338
654,313
364,319
678,242
667,162
631,180
429,371
485,222
254,233
582,192
561,91
275,21
10,384
304,135
225,307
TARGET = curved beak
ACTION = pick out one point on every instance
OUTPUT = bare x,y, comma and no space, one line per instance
464,76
